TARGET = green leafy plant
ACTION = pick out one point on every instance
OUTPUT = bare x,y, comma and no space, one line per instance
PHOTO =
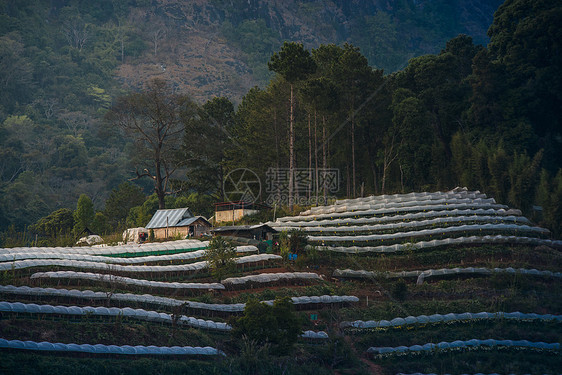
399,290
220,256
276,325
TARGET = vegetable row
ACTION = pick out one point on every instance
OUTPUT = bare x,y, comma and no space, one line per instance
471,240
452,317
21,264
197,254
127,312
421,275
110,349
161,301
459,344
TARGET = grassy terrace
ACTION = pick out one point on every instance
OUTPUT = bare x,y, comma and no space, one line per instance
345,350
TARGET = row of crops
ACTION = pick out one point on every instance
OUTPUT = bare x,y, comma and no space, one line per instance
169,285
151,300
115,293
414,221
443,272
373,229
463,345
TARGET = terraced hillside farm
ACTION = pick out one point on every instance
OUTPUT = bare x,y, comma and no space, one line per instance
444,282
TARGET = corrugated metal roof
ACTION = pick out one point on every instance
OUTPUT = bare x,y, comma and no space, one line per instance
243,228
191,220
168,218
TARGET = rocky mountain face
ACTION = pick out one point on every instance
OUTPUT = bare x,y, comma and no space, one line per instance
221,47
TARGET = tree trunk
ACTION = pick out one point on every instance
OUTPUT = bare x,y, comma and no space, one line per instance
159,186
372,159
384,169
348,185
277,153
354,190
324,159
401,179
309,156
291,150
316,155
439,132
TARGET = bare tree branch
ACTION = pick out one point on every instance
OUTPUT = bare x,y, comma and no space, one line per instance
153,119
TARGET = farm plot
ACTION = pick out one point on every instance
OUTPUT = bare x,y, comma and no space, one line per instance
119,295
476,255
430,278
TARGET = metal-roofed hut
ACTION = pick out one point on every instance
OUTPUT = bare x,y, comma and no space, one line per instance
259,232
234,211
178,221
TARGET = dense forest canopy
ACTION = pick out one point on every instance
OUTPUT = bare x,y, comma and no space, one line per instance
461,113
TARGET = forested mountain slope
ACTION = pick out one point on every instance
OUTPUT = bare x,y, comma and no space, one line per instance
63,63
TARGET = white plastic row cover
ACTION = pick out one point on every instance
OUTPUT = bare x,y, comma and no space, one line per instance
423,204
478,373
271,277
120,249
99,277
109,349
438,318
90,295
304,300
21,264
257,258
320,335
457,192
464,344
412,224
442,242
239,307
395,210
8,256
140,314
443,272
279,225
384,203
430,232
162,301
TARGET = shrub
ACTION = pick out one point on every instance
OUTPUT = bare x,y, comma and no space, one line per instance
399,290
220,256
276,325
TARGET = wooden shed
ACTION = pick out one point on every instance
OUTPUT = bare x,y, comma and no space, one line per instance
178,221
260,232
234,211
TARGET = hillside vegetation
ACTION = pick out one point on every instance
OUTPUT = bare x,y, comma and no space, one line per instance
478,299
64,62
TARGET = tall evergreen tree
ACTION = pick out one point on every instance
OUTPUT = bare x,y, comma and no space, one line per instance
83,215
294,64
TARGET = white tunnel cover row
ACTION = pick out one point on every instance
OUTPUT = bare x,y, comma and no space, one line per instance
473,343
8,256
109,349
140,314
163,301
421,275
438,318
